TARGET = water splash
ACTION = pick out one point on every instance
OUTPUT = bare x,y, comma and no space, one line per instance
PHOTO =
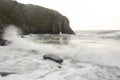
24,57
11,33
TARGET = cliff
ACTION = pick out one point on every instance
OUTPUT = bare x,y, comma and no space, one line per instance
32,18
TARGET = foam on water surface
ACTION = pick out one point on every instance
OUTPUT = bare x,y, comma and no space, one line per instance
90,58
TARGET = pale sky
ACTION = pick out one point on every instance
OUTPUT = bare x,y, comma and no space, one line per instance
85,14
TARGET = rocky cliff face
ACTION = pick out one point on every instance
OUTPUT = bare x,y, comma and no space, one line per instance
32,18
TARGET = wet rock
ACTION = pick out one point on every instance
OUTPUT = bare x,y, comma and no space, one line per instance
54,58
118,76
3,42
3,74
22,36
59,67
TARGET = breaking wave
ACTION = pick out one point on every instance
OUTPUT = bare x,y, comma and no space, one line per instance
112,34
85,56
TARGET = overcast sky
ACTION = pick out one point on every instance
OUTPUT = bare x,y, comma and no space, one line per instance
85,14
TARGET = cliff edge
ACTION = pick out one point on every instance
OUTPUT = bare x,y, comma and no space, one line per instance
32,18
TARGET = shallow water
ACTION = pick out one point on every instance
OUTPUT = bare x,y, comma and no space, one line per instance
88,55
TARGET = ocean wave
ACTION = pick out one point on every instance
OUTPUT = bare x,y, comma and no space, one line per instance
112,34
82,61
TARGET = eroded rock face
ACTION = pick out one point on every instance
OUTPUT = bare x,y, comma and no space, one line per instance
65,26
33,19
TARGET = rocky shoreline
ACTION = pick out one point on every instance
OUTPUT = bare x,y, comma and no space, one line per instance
32,18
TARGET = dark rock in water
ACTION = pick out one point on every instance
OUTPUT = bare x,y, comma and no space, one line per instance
59,67
22,36
118,76
32,18
3,74
3,42
53,58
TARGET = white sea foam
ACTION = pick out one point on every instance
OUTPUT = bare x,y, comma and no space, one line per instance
84,58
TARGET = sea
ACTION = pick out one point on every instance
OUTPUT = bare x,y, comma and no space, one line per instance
87,55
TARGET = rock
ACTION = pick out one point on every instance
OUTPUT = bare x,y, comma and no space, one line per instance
32,18
54,58
3,74
3,42
59,67
118,76
22,36
65,28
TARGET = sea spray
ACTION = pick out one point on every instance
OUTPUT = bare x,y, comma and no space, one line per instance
98,51
11,33
23,57
103,53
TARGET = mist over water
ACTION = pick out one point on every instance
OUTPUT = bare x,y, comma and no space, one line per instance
88,55
98,47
